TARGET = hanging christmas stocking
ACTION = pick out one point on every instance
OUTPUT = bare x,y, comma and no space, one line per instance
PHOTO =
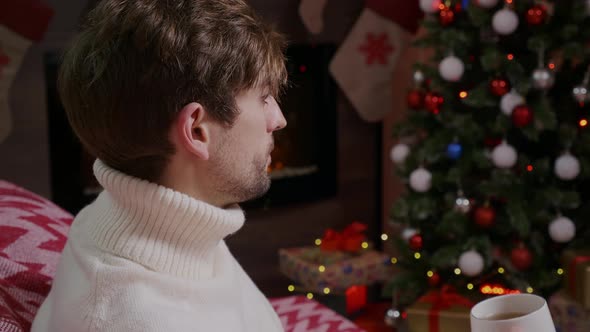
312,14
21,24
364,63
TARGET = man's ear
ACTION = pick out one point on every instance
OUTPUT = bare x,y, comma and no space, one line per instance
192,130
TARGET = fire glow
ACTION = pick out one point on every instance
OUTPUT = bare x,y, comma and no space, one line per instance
489,289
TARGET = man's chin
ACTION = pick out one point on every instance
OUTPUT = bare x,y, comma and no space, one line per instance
261,189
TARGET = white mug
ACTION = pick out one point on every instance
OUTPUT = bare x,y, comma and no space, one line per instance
512,313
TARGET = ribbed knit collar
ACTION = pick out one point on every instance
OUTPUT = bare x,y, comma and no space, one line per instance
162,229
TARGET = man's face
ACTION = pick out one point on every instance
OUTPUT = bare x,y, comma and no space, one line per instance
241,155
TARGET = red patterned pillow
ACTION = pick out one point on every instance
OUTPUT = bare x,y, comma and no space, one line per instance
33,232
298,314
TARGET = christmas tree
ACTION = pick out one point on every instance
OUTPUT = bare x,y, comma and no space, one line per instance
495,148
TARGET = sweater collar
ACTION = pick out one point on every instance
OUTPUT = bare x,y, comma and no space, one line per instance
162,229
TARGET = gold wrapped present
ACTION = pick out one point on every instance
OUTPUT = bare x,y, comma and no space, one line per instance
440,311
577,277
336,271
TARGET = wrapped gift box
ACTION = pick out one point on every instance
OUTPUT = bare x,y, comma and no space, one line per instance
577,276
348,304
439,311
568,315
297,313
337,271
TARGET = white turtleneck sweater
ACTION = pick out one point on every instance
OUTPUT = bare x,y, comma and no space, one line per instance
146,258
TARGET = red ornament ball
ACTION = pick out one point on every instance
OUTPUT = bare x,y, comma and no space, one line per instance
536,15
446,16
434,280
499,87
415,99
522,115
484,216
492,142
521,257
415,242
433,101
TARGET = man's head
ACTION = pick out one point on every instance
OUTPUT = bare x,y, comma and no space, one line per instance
150,85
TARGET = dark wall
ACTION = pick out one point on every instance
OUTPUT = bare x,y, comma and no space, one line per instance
358,196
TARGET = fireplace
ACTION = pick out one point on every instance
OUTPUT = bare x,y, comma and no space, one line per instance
304,158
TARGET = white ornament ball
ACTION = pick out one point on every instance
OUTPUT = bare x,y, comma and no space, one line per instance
429,6
451,68
567,167
408,233
421,180
580,94
562,229
509,101
399,153
543,78
504,155
487,3
505,21
471,263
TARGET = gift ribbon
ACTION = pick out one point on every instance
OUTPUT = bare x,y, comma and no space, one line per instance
350,239
572,271
440,301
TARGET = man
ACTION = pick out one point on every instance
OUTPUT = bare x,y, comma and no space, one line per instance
177,101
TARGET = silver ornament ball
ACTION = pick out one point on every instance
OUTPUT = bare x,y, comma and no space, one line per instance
451,68
471,263
421,180
504,156
567,167
580,94
393,317
562,229
399,153
462,204
418,77
509,101
505,21
543,79
429,6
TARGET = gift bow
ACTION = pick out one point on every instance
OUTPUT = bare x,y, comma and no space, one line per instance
350,239
442,300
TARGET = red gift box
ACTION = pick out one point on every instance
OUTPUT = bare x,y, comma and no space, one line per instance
297,313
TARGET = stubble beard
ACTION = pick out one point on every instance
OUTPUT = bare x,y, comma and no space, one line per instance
238,183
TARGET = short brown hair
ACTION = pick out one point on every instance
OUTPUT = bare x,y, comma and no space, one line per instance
136,63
